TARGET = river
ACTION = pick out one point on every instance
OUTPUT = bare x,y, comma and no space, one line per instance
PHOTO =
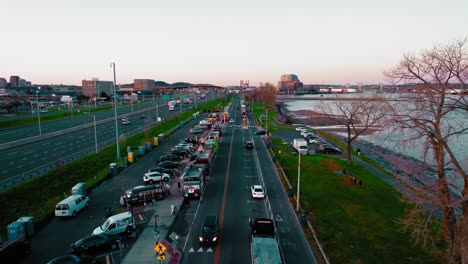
388,139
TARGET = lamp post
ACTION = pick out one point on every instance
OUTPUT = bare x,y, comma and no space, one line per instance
157,113
38,110
112,65
298,207
95,134
266,120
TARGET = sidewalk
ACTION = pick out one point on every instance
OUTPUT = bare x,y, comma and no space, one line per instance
142,250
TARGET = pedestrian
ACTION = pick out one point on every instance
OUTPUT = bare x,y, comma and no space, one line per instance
360,182
178,184
359,152
354,180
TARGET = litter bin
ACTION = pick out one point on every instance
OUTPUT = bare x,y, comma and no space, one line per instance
16,231
79,188
155,141
181,124
290,192
28,225
113,169
303,218
273,158
141,150
130,157
149,146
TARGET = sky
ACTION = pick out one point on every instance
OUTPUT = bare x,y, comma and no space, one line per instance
220,42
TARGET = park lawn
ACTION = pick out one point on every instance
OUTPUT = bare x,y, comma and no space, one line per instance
355,224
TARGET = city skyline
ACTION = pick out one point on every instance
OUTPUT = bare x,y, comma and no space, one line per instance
219,43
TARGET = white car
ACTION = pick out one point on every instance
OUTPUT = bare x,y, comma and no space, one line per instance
257,191
151,177
299,129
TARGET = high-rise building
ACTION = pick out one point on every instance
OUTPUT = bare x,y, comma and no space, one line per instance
289,83
14,81
3,83
143,84
94,88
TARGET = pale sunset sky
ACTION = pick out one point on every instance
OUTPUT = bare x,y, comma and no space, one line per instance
220,42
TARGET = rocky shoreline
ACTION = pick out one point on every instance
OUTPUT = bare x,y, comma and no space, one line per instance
404,168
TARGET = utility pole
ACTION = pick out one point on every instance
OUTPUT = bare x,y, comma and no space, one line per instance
298,206
112,65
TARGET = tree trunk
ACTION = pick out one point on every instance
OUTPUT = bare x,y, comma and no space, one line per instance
348,149
446,203
463,232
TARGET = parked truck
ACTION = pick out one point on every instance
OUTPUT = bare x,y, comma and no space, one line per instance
301,146
264,243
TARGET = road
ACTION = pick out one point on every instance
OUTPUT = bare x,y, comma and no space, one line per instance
227,195
60,147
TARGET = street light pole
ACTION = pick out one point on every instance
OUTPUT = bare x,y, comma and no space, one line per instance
298,182
157,113
95,134
112,65
38,110
266,120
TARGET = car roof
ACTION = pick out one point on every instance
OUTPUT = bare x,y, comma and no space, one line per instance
257,186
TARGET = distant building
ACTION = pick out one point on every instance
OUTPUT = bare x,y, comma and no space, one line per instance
143,84
3,83
14,81
289,84
94,88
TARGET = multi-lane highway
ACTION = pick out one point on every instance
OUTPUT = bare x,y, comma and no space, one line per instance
227,195
65,140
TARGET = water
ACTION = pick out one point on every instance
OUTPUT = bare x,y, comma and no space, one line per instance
391,140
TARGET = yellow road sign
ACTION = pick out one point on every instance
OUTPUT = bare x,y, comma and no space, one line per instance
161,257
160,248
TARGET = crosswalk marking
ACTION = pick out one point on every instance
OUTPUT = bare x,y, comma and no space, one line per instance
200,250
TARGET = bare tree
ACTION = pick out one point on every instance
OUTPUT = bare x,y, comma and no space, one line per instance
358,116
267,94
434,115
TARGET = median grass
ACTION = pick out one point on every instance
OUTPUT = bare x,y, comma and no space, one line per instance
38,196
355,224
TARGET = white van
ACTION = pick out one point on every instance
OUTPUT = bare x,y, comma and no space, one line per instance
115,224
71,205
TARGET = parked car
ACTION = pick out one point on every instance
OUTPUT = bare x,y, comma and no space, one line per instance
260,132
299,129
249,145
179,152
209,231
73,259
162,170
92,245
257,191
196,131
168,164
125,121
171,157
151,177
190,140
71,205
329,149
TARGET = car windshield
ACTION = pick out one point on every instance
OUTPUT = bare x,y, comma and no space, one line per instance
106,224
258,190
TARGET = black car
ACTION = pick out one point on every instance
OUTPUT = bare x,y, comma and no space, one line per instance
168,164
92,245
190,140
170,157
71,259
260,132
209,232
249,145
180,151
162,170
330,150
